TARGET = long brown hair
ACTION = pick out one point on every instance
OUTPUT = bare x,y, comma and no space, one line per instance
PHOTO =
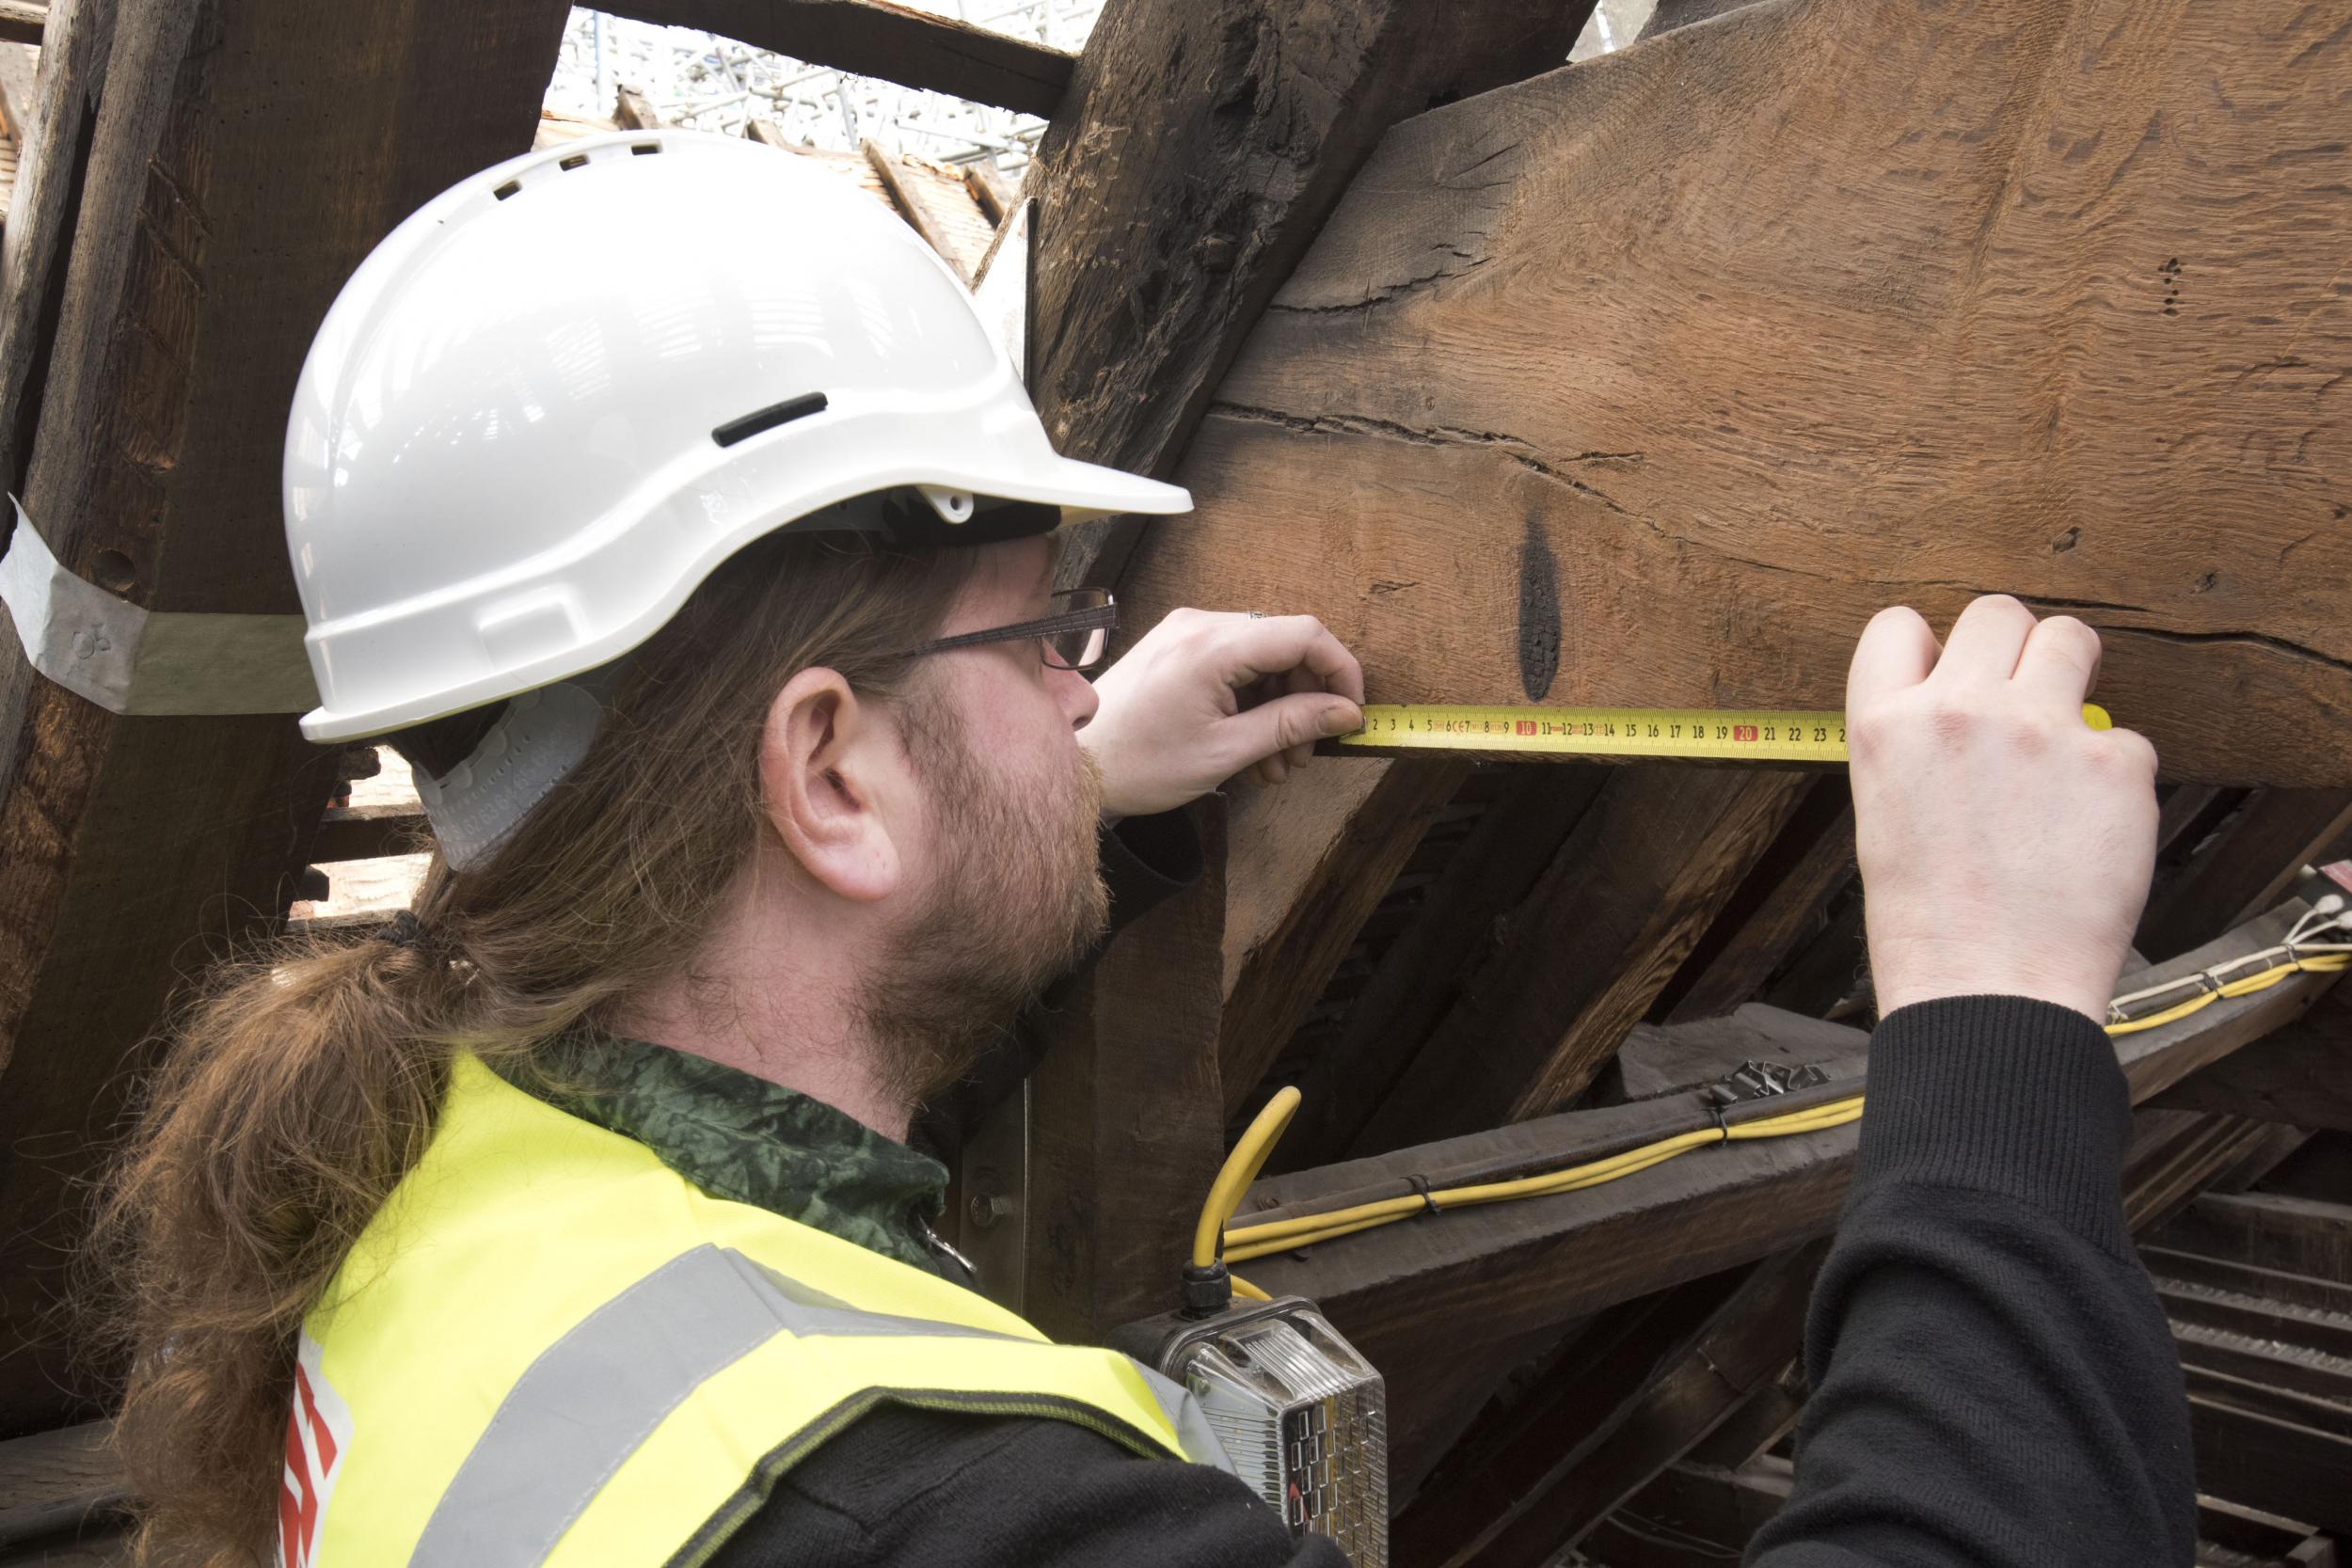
302,1081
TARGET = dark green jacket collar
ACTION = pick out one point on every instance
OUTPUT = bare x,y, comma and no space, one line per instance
740,1137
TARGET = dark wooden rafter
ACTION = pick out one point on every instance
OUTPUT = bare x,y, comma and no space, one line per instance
1780,905
2245,866
873,38
2302,1076
23,21
1628,894
1159,244
1399,1291
366,832
205,178
1310,859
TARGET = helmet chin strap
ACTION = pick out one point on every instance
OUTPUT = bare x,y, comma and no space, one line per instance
536,742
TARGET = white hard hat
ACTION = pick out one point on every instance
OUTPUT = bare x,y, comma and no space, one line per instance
553,399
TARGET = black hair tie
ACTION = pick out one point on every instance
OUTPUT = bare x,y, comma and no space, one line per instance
401,930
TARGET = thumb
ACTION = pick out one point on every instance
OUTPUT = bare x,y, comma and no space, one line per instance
1298,720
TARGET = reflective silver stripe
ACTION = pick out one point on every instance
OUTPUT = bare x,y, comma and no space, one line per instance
1191,1422
593,1398
586,1403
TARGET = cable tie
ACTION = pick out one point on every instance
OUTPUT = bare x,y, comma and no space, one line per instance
2209,981
1723,1125
1421,1185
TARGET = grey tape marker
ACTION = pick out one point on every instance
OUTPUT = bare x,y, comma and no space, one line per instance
131,660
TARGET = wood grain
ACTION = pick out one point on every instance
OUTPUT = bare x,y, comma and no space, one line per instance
1202,147
222,167
1728,340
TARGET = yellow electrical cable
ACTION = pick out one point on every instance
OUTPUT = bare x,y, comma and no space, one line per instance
1241,1168
1243,1243
1243,1288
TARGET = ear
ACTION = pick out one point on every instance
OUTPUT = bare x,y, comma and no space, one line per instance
824,762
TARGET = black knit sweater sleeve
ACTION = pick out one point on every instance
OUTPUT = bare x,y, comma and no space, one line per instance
1994,1380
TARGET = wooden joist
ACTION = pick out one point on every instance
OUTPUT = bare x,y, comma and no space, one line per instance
1646,382
1781,906
1627,897
366,832
1400,1291
2247,864
1310,861
221,169
1160,238
2301,1076
874,37
2271,1231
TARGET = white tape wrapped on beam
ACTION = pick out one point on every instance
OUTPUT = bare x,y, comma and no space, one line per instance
127,660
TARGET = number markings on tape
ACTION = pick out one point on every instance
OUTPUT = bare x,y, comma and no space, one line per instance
1713,735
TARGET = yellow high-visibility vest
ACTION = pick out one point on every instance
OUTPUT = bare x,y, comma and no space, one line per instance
549,1348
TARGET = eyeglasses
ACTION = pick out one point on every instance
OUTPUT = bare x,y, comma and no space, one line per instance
1074,636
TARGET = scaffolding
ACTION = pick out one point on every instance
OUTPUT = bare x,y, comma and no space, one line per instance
710,83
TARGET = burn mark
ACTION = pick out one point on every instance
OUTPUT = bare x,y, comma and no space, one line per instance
1540,612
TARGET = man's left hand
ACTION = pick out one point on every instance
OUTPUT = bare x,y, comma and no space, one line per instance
1203,696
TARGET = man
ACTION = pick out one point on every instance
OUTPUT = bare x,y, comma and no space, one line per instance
709,594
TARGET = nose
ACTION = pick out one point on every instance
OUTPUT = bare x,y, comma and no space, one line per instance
1076,696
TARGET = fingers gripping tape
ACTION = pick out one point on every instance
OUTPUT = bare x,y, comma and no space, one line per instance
132,660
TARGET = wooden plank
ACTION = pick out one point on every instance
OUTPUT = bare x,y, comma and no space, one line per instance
220,189
1160,241
988,188
2245,868
2275,1465
2301,1076
58,1481
1461,926
1694,1516
765,133
2296,1235
23,21
1401,1292
1537,1499
1655,377
1782,905
1126,1133
365,832
1627,895
918,209
1310,861
873,38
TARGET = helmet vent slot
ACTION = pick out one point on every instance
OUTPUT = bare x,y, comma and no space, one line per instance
574,161
769,418
508,189
642,148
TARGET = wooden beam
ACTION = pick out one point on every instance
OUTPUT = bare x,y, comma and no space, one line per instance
911,208
1400,1292
219,184
1629,894
2246,867
1782,905
873,38
1539,419
2276,1465
52,1482
2299,1235
2301,1076
1159,242
1126,1133
1657,1061
23,21
765,133
367,832
1310,861
1460,926
1530,1498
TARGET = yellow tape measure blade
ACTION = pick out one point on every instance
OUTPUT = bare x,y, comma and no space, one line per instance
1698,735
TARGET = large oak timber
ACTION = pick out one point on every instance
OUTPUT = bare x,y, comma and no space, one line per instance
1200,148
224,174
1647,381
874,37
1402,1293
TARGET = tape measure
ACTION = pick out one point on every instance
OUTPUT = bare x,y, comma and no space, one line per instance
1698,735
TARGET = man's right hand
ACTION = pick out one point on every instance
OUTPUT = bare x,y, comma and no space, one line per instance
2006,846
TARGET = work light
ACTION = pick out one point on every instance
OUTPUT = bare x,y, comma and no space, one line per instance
1303,1417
